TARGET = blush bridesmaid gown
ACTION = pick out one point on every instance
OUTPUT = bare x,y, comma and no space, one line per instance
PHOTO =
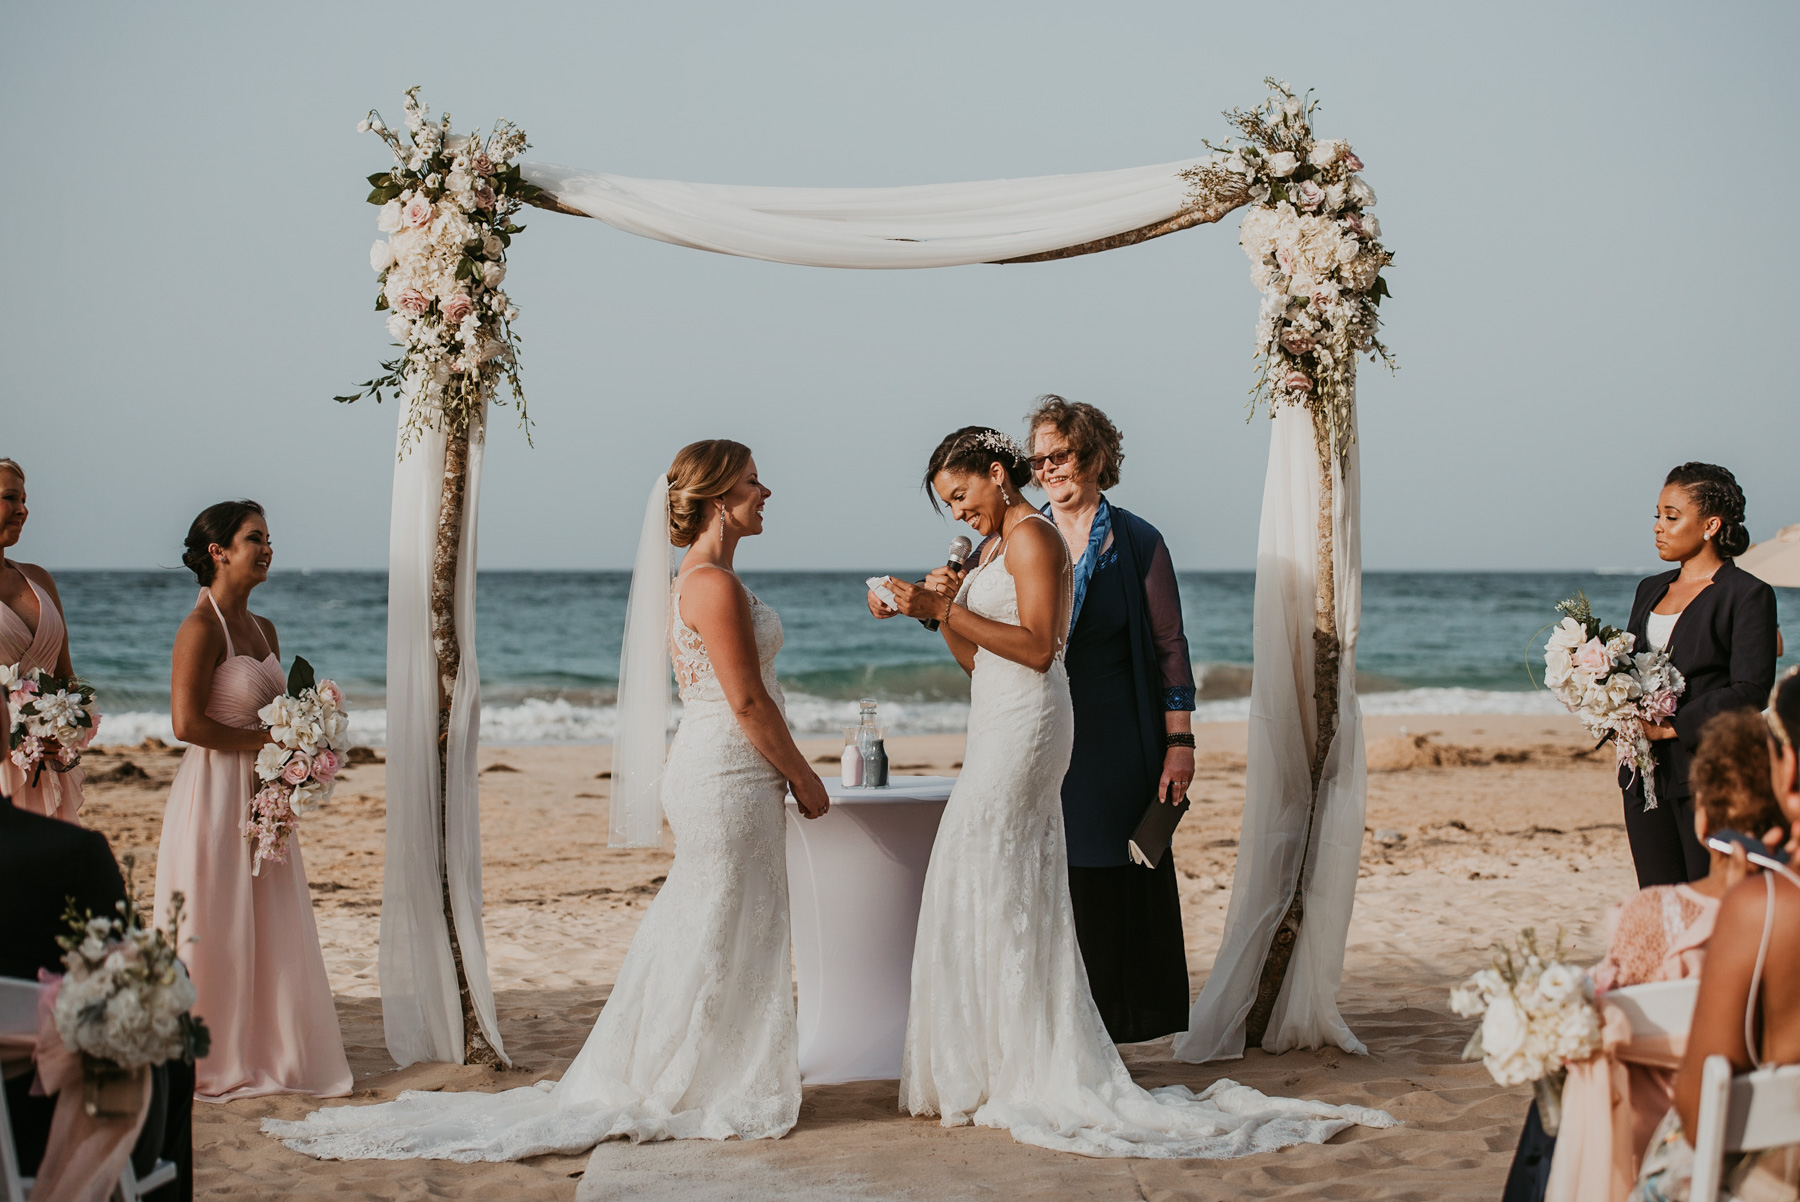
57,794
254,959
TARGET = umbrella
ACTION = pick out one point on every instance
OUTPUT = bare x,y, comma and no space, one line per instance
1775,560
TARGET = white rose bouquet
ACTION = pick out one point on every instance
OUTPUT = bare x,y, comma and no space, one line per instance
299,769
1537,1013
1614,689
446,208
53,719
1315,254
125,1000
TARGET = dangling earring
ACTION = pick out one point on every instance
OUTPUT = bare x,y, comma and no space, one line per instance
721,520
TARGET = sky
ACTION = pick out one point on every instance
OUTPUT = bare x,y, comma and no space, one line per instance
1589,206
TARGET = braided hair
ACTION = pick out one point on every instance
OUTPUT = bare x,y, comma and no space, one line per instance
1715,493
973,450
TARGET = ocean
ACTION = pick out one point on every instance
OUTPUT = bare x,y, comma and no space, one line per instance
548,645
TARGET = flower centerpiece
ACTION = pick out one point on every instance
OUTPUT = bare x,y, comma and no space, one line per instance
446,207
1537,1013
1616,690
53,719
125,1000
1315,255
299,769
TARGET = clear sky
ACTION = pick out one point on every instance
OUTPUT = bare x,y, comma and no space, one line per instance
1591,207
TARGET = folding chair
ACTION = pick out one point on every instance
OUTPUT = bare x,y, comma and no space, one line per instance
1741,1114
18,1016
1661,1009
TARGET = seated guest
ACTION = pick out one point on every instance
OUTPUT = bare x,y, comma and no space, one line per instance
1613,1102
1749,985
45,864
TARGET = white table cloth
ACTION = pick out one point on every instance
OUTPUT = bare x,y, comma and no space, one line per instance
855,878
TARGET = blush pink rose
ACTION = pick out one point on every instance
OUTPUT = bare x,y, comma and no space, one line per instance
1354,220
1297,381
1351,161
1659,705
482,164
1309,195
296,769
417,211
484,196
1594,657
455,307
329,691
411,300
24,690
325,766
1296,342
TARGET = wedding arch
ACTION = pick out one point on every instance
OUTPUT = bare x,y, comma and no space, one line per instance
1316,257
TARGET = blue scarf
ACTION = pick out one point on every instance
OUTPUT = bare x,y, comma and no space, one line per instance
1090,558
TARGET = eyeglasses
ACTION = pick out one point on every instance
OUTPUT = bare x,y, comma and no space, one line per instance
1053,459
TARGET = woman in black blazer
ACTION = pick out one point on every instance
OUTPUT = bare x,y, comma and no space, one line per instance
1722,641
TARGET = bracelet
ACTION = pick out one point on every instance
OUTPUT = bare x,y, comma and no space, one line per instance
1179,738
949,604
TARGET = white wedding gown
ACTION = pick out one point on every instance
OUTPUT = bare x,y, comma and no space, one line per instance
1002,1030
697,1040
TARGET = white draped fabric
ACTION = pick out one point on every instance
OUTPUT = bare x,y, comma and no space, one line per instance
930,225
1279,784
420,1008
937,225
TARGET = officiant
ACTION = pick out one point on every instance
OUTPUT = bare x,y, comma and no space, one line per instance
1133,690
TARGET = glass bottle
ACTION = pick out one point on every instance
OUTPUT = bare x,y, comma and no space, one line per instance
871,743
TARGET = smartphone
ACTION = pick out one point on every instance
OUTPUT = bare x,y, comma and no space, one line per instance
1753,847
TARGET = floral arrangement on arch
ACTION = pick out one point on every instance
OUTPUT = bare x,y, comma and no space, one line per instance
446,208
1315,255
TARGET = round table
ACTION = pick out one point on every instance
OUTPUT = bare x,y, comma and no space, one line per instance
855,879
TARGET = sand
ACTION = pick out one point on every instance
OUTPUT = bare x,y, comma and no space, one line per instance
1477,826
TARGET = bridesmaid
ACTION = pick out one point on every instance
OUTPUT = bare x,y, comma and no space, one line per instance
1132,685
32,634
255,957
1717,622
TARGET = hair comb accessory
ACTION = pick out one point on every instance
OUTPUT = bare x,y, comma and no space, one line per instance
993,440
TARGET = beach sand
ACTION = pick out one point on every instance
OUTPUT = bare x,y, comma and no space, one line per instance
1478,825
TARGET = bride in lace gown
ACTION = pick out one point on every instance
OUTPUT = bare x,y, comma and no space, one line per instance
697,1039
1002,1030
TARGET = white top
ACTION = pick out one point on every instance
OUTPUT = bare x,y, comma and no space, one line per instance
1658,628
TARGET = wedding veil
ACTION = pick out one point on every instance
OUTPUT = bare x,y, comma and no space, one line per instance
640,742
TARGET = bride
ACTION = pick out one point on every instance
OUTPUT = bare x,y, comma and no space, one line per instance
1002,1030
697,1040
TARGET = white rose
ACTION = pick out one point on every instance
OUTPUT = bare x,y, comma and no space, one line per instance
492,274
1324,153
1503,1028
1283,164
1558,983
388,221
381,255
269,761
1360,193
458,181
491,246
399,327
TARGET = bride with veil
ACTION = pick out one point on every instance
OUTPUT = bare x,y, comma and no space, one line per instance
1002,1030
697,1040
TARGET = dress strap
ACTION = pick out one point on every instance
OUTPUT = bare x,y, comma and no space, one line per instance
229,650
1762,955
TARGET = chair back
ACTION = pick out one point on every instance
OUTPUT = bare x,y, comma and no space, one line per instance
1660,1009
1741,1114
18,1016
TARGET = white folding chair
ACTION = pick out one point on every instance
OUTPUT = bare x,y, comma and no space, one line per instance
1662,1008
18,1016
1741,1114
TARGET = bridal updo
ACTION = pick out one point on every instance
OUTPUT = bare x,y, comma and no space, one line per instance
1716,494
217,524
972,450
702,472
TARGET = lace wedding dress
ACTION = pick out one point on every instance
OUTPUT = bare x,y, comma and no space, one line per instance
697,1040
1002,1030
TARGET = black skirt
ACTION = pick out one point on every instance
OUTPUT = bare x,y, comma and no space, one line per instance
1128,922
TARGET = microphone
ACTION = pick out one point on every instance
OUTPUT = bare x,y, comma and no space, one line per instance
960,546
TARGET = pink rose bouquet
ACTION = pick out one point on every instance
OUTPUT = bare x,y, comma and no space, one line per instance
53,719
299,768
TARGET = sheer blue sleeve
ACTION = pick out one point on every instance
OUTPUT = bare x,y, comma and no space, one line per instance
1162,596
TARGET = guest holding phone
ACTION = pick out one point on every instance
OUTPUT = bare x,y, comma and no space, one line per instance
1717,623
1132,685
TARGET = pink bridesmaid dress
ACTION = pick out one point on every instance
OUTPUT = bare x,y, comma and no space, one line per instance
255,958
57,794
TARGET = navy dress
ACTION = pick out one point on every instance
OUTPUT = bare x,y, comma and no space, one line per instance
1128,664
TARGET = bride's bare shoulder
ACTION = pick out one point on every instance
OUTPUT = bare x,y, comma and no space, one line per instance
1037,544
710,593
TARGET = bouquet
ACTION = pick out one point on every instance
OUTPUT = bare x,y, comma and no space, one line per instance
299,769
125,999
1616,691
53,719
1537,1013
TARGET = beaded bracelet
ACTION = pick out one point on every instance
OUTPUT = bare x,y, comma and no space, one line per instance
1180,738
